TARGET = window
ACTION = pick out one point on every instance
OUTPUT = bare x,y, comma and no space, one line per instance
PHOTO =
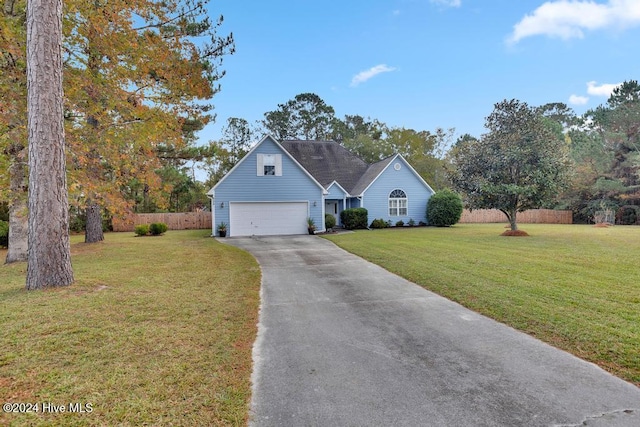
397,203
269,164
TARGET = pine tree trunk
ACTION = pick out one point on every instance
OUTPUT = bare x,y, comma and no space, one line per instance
18,225
94,231
18,211
49,258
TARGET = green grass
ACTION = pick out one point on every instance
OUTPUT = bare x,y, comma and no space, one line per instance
573,286
155,331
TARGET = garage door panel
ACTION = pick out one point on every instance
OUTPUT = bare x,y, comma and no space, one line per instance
264,219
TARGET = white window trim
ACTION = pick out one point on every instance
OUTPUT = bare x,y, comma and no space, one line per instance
398,203
260,164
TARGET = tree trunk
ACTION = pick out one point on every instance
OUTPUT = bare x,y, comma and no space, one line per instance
49,258
18,225
18,211
18,214
93,231
512,219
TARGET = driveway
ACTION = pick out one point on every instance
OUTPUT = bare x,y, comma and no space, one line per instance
343,342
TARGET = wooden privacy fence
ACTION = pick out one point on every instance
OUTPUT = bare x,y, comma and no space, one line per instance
533,216
175,221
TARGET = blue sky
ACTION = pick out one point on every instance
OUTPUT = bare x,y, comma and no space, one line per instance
424,64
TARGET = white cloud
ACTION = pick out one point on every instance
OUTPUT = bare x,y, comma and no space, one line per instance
363,76
448,3
568,19
578,100
605,89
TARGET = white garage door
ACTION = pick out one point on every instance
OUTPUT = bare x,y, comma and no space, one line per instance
265,219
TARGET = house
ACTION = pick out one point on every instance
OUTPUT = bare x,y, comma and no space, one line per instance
277,186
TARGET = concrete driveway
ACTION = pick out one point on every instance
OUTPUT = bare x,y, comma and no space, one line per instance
343,342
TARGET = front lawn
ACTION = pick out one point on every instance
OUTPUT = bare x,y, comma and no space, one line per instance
573,286
155,331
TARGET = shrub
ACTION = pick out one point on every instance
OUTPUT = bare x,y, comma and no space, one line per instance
158,228
142,230
444,208
378,223
400,223
354,218
329,221
77,222
4,234
412,223
628,215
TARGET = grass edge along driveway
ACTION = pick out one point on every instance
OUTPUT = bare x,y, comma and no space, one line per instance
155,331
575,287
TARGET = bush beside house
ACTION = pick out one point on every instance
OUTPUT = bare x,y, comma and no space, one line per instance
329,221
444,208
354,218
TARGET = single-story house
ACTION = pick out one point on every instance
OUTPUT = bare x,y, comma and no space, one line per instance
278,185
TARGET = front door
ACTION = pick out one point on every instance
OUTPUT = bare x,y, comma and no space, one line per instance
331,207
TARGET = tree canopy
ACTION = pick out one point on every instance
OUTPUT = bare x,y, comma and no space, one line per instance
135,78
305,117
520,164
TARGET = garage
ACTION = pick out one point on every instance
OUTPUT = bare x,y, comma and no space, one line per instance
267,218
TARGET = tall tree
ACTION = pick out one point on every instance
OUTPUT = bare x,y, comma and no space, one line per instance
305,117
235,143
424,150
591,184
620,127
49,259
363,137
137,80
520,164
134,78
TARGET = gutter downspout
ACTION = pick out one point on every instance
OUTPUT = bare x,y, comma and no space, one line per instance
213,215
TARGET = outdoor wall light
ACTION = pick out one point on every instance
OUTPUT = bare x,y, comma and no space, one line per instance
222,205
315,203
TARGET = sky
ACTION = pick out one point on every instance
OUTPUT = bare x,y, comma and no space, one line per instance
424,64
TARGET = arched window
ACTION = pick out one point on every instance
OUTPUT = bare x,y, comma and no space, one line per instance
398,203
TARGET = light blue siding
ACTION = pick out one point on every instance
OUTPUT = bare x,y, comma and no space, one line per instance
376,197
243,184
353,202
335,192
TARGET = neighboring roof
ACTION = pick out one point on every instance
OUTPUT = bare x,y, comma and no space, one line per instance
328,161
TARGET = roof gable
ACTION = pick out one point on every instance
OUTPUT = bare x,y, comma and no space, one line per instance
251,152
370,175
377,169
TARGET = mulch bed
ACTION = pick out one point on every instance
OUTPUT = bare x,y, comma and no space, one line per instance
515,233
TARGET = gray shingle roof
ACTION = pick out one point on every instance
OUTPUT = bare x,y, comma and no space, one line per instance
370,174
328,161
